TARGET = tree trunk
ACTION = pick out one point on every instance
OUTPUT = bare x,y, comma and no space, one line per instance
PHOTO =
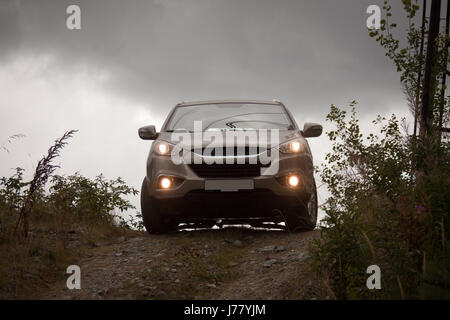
429,85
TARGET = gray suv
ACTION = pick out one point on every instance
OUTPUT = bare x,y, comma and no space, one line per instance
229,162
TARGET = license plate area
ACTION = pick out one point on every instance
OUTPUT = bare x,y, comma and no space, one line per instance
229,185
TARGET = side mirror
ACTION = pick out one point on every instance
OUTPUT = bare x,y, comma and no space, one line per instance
148,133
312,130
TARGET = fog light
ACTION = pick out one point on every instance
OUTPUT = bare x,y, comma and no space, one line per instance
168,182
165,183
293,181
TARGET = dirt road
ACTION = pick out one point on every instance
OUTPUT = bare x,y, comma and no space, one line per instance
231,263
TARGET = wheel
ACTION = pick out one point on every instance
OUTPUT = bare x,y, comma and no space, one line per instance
154,222
312,209
303,218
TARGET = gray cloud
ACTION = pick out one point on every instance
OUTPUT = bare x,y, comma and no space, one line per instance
145,56
308,52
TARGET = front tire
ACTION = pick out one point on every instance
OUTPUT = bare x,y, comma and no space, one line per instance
303,218
154,222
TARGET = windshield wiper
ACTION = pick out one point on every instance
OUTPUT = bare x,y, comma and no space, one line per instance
178,130
231,124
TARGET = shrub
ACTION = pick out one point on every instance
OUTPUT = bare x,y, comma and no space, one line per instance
383,210
59,221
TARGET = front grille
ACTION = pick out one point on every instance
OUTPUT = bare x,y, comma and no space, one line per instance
227,170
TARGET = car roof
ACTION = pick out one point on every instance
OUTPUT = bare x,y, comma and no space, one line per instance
203,102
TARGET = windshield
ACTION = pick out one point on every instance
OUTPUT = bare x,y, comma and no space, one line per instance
230,116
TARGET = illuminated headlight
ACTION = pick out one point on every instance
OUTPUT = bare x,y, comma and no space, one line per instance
290,180
163,148
165,183
293,180
294,146
168,182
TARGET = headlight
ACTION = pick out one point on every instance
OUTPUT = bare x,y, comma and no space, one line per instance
293,180
290,180
168,182
165,183
163,148
293,146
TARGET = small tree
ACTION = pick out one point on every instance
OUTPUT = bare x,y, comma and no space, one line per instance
389,200
410,60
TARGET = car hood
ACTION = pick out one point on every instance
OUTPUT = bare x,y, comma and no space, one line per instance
189,140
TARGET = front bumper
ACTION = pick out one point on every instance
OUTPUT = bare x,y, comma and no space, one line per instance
190,199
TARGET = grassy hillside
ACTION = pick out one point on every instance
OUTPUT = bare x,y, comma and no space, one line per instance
45,225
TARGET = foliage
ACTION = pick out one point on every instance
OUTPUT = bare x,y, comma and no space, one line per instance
84,200
89,199
72,212
380,213
409,59
44,170
389,200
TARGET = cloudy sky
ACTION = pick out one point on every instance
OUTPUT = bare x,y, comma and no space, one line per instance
132,61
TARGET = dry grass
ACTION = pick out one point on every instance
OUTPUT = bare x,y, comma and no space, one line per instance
42,232
32,264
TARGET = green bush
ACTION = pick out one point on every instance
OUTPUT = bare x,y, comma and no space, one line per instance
72,213
94,200
383,210
83,200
